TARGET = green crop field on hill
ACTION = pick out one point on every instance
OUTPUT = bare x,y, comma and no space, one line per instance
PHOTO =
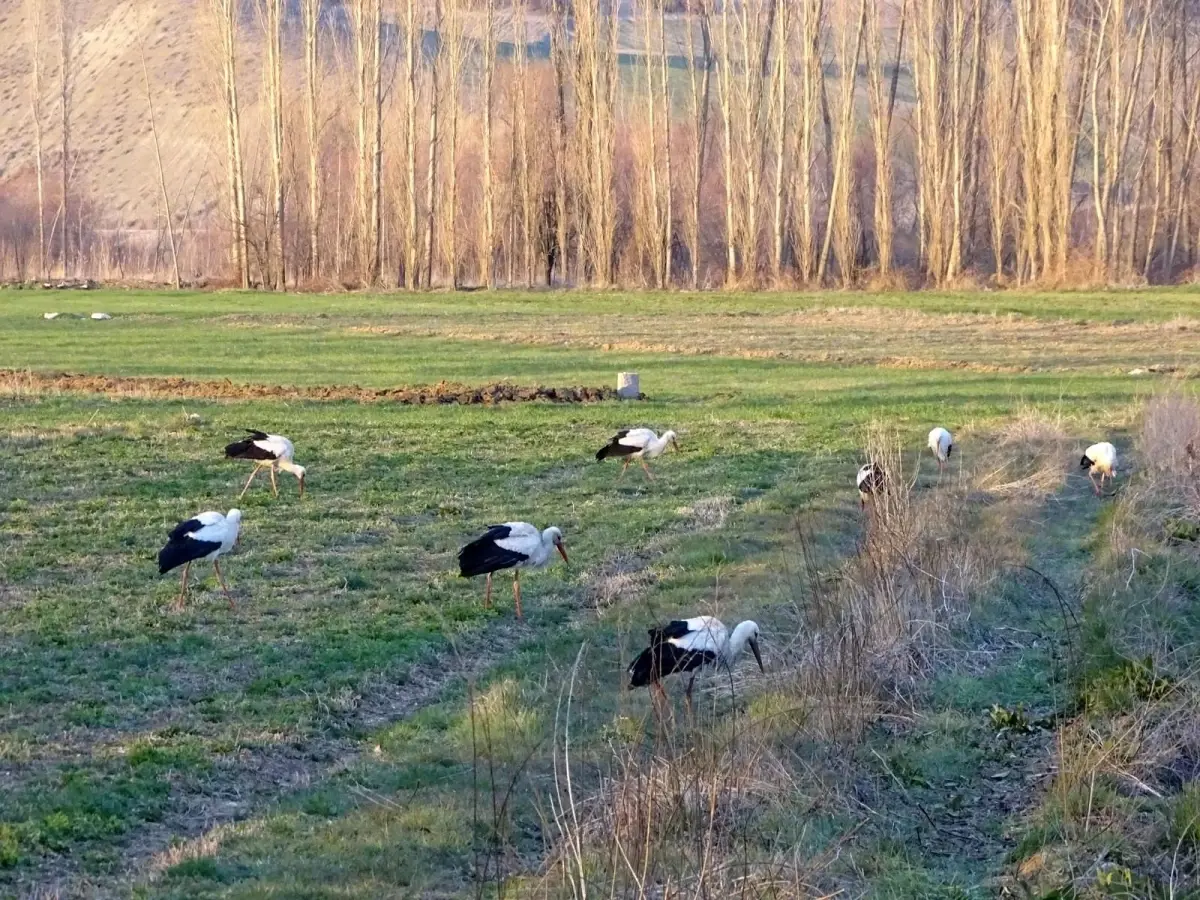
359,725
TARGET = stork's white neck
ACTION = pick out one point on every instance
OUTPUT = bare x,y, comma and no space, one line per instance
739,639
288,466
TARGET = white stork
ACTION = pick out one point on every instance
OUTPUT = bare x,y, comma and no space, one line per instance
272,451
942,445
206,536
513,545
636,443
870,479
1100,458
686,645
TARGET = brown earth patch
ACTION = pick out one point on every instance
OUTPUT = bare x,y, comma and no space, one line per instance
16,382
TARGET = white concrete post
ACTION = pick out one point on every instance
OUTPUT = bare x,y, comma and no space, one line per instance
627,385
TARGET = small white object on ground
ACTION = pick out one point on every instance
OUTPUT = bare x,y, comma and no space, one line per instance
628,386
50,315
101,316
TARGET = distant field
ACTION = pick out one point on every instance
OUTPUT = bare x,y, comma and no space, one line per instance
316,741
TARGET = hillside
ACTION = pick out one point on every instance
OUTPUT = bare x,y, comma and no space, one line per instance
110,125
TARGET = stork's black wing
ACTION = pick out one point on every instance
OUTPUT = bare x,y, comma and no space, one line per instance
615,448
484,555
183,529
662,659
247,449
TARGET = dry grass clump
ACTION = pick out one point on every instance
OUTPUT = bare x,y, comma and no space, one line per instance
676,822
1027,459
1168,448
1124,806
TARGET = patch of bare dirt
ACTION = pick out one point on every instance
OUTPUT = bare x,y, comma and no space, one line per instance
18,382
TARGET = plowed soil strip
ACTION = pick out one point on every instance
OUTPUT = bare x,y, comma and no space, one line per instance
15,382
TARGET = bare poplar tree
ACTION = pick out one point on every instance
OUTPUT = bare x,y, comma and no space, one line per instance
487,242
271,13
668,222
453,92
223,14
595,76
37,17
812,81
700,78
310,14
558,56
781,127
412,48
654,200
431,168
725,92
162,178
1046,134
883,105
999,114
1113,95
840,227
64,84
525,175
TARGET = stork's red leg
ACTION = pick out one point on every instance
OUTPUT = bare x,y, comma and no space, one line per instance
517,591
646,468
688,697
624,469
224,586
182,586
274,485
248,480
487,597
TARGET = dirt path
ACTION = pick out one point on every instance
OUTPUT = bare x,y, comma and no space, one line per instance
962,812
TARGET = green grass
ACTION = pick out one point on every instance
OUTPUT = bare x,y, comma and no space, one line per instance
317,715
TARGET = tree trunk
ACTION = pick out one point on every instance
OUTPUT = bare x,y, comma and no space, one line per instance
37,14
273,76
64,83
162,178
411,276
311,13
432,164
488,242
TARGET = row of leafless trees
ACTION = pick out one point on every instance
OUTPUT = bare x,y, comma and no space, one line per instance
742,142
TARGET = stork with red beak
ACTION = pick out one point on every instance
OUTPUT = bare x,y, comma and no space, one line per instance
513,545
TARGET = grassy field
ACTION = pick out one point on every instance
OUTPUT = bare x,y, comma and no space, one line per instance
360,726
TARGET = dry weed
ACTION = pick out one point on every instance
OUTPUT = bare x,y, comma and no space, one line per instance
1028,458
1167,495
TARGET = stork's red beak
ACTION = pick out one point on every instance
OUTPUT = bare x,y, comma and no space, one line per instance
562,552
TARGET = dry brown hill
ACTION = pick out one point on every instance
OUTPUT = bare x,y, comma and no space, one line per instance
111,142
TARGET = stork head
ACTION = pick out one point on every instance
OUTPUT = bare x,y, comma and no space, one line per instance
553,536
746,635
670,437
